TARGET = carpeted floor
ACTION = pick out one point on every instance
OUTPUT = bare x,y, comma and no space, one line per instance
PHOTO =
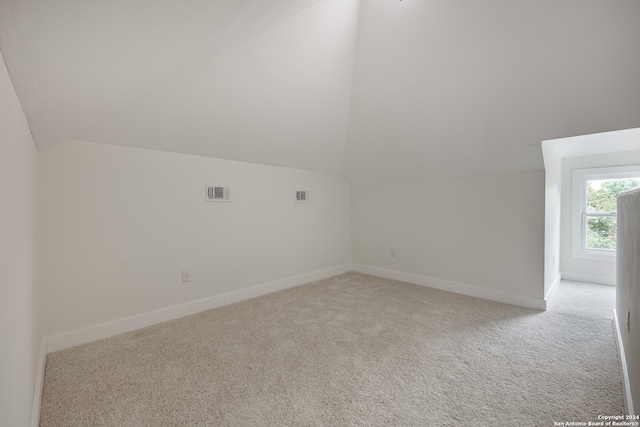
584,299
350,350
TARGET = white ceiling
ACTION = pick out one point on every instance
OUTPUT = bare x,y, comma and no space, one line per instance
596,143
461,88
379,90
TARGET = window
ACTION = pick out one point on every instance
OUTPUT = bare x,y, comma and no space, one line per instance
594,209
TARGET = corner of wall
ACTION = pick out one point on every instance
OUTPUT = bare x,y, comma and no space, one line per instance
20,328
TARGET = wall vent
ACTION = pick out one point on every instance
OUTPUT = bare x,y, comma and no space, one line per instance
217,194
302,196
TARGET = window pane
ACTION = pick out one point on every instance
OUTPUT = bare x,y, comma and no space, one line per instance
601,232
602,193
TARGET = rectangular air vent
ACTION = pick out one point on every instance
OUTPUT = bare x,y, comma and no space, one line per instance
302,196
217,194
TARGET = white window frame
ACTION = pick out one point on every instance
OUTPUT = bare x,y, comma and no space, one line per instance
579,204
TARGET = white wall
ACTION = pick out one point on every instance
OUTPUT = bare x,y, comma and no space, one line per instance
628,289
553,197
483,231
19,320
588,270
122,223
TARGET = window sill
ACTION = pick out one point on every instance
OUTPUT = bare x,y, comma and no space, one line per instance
595,255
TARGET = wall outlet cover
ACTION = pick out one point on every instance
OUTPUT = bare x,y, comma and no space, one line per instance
186,276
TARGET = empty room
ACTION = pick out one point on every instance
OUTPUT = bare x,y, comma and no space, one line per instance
319,212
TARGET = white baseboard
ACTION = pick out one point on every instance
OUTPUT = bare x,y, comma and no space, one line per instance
117,327
460,288
39,383
589,278
628,401
553,289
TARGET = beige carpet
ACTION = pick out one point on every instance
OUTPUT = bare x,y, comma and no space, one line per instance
584,299
350,350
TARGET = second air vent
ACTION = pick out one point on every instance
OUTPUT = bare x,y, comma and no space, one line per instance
218,194
302,196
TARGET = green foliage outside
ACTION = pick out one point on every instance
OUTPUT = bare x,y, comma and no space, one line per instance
601,230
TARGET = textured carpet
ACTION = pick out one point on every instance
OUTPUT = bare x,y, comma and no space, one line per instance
584,299
350,350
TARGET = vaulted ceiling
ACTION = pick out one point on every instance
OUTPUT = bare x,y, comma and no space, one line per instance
379,90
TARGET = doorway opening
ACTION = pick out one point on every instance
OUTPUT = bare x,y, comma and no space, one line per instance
584,174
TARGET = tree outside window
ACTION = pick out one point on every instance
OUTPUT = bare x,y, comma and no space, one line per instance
600,213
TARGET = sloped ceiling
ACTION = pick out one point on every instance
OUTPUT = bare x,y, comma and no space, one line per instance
263,81
463,88
379,90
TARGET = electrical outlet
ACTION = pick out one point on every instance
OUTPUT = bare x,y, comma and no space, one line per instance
628,320
186,276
